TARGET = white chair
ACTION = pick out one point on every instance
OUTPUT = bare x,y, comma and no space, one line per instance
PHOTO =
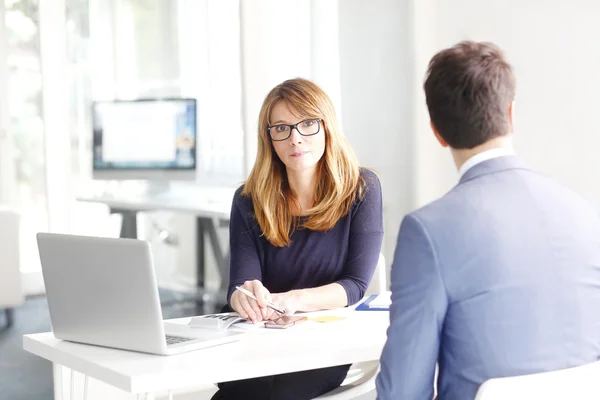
579,383
11,294
361,376
379,281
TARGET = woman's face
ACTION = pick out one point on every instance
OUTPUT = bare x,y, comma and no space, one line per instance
298,152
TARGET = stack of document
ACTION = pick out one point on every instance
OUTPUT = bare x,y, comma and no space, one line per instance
223,321
382,300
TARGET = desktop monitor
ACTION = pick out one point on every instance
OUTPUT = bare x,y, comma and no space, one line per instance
150,139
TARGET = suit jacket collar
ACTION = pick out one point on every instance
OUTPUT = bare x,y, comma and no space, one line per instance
491,166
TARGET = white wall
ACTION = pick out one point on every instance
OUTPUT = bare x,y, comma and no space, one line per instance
553,46
273,50
385,46
376,71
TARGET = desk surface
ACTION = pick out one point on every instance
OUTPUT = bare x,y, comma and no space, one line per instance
359,337
204,202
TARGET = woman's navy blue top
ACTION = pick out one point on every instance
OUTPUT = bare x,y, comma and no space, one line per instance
346,254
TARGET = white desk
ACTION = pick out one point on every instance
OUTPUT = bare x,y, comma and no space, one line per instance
199,205
360,337
210,206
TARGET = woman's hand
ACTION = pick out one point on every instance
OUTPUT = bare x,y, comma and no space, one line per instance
289,301
254,310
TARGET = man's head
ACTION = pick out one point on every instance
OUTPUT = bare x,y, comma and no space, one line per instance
470,89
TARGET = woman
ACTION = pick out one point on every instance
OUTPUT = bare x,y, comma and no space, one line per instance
305,229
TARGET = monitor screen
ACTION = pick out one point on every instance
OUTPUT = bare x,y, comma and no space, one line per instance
144,135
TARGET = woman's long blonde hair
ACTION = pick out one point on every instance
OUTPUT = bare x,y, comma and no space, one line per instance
338,183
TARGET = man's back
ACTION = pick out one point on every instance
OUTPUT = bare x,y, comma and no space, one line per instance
519,257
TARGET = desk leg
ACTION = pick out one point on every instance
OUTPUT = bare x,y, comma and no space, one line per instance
128,224
200,256
58,381
10,317
85,387
72,396
59,387
206,226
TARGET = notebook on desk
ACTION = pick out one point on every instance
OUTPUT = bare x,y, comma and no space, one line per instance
376,302
103,291
223,321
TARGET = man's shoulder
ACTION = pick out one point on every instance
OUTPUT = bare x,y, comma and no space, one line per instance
432,211
448,210
478,197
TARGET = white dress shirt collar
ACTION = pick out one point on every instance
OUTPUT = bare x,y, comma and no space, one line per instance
484,156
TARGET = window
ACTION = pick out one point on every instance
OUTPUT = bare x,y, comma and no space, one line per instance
112,49
25,125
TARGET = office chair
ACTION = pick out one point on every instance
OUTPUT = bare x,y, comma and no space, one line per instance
578,383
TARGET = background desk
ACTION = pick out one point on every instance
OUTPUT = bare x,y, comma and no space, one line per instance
211,207
358,338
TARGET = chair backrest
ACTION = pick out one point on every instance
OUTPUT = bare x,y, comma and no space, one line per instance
10,273
579,383
378,282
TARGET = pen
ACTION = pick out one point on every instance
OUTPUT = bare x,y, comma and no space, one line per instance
269,304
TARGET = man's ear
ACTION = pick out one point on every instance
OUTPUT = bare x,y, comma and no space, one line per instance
437,135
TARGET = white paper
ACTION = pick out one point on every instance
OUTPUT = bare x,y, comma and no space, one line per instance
215,321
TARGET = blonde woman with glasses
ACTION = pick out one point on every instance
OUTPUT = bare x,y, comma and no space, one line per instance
305,231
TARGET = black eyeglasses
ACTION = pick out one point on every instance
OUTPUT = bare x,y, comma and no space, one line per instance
308,127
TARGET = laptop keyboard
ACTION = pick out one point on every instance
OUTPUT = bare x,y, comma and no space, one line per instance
176,339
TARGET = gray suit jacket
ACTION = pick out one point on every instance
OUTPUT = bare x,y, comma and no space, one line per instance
499,277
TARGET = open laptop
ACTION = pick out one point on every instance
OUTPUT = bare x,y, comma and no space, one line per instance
103,291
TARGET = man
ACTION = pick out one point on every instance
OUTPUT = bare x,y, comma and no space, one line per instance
501,276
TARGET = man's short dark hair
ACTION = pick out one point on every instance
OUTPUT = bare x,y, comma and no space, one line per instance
469,88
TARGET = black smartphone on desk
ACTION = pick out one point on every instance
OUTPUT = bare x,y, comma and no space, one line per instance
284,322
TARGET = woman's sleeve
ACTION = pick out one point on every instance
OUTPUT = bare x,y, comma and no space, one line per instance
244,262
364,245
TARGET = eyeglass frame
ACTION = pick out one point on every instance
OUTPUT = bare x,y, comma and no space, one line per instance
294,126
